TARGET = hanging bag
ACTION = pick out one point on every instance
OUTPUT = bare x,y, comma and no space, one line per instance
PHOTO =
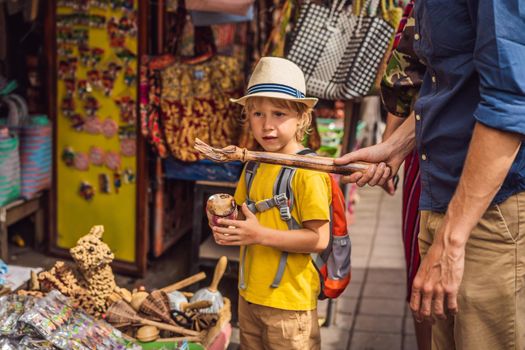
235,7
339,51
10,167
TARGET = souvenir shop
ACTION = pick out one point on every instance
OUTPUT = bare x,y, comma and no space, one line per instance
100,105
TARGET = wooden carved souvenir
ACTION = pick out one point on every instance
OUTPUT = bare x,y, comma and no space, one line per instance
91,281
234,153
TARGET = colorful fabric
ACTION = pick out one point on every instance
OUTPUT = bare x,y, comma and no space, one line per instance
299,286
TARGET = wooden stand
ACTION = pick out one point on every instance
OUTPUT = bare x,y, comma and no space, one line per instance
16,211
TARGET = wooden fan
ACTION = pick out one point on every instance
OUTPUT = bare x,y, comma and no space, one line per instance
157,305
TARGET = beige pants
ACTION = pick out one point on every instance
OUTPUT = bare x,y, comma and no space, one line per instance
267,328
492,295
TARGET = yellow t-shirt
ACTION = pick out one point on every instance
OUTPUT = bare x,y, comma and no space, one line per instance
299,286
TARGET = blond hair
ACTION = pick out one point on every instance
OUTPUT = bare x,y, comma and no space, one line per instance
303,111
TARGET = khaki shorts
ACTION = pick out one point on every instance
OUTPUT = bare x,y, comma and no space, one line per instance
491,297
265,328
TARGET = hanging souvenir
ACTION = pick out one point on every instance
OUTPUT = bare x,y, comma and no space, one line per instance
80,36
68,106
113,69
83,87
93,125
85,54
109,127
128,113
102,4
86,190
81,161
63,69
116,36
128,24
113,160
96,56
64,50
94,78
130,76
96,155
126,131
126,55
68,156
124,5
77,122
103,183
128,147
128,176
108,81
69,87
117,181
97,21
91,105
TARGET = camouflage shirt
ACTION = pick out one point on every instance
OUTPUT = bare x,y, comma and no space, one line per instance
403,76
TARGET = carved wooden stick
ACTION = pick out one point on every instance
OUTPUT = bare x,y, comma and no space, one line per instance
232,153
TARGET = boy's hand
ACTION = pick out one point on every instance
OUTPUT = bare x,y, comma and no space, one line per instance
238,232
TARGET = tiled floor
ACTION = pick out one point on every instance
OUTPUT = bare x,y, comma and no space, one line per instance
372,313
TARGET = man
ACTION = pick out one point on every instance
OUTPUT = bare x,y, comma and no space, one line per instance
468,128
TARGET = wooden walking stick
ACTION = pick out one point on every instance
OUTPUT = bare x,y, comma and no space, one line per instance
232,153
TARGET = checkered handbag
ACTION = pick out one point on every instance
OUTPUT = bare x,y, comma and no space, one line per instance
338,51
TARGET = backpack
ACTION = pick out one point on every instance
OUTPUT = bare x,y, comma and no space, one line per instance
333,264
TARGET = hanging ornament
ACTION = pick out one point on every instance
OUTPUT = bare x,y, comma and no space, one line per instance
109,128
69,87
97,21
63,69
103,182
128,113
91,105
113,160
83,87
102,4
96,56
129,76
68,106
77,122
128,147
108,82
68,156
81,161
93,125
113,69
116,36
96,155
86,190
80,36
129,176
117,181
126,55
94,78
85,54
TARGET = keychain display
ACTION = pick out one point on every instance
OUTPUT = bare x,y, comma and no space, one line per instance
97,156
104,183
86,190
81,161
109,127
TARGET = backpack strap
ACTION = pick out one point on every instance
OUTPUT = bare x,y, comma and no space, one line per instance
249,175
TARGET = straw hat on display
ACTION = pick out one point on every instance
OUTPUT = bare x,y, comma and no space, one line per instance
277,78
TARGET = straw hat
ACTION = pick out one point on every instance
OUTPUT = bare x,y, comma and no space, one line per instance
277,78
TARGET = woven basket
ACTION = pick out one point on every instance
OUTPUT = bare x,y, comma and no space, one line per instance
9,169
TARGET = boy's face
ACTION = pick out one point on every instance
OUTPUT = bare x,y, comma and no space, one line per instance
274,127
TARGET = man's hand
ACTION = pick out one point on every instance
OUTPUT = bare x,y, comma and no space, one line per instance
238,232
386,164
436,285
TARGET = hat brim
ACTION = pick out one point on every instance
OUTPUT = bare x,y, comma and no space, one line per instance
309,101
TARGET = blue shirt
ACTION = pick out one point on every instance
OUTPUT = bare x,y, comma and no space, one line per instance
474,51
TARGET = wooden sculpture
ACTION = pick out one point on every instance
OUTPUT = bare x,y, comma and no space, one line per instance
91,281
233,153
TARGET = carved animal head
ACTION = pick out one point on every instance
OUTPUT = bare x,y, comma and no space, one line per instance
90,252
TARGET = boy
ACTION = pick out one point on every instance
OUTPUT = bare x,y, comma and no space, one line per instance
279,312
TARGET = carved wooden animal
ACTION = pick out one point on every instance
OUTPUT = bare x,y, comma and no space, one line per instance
91,281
